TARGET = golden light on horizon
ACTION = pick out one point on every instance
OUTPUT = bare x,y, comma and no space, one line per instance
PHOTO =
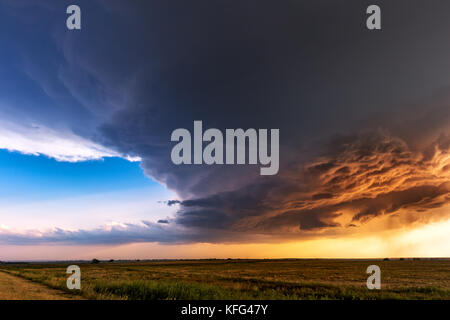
431,240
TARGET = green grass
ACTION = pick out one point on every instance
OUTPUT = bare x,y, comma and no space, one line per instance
247,279
147,290
159,290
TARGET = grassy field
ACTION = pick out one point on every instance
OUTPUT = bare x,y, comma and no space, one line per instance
246,279
15,288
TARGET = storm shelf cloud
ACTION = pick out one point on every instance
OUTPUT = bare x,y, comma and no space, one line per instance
365,126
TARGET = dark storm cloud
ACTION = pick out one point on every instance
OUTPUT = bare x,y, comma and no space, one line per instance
365,175
231,66
310,69
363,116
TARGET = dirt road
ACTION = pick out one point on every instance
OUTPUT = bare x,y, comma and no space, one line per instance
15,288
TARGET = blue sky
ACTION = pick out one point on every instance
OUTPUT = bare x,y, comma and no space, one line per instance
38,192
28,177
55,172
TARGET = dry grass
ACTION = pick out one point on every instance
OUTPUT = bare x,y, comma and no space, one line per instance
14,288
249,279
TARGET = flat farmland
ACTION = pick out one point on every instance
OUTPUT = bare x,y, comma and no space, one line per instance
243,279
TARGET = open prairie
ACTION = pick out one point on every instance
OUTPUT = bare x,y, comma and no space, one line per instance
15,288
243,279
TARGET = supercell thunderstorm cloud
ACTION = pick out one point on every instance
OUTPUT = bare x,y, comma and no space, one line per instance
363,117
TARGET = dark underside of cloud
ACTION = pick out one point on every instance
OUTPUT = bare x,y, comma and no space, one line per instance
367,176
363,116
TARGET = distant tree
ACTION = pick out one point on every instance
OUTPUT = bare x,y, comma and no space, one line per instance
111,260
95,261
386,259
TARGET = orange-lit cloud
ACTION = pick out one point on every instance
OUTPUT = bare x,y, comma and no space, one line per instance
363,186
361,178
